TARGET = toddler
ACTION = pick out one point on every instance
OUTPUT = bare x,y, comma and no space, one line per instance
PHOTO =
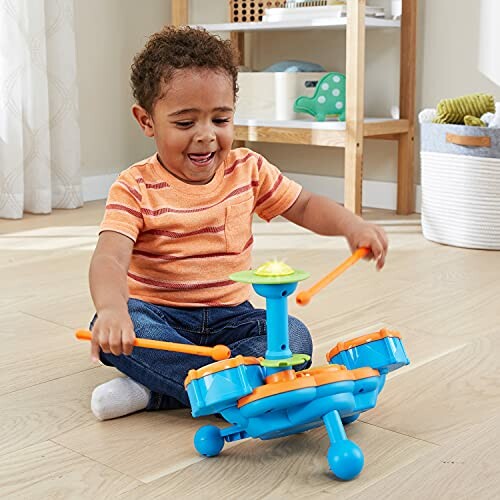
177,224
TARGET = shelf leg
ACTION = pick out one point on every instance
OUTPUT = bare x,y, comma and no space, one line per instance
406,143
180,12
355,94
238,42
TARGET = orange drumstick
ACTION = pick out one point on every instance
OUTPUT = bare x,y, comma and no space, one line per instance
303,298
218,352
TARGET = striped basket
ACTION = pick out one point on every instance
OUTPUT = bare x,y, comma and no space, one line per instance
461,185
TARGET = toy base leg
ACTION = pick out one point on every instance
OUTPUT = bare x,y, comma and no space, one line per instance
345,458
208,441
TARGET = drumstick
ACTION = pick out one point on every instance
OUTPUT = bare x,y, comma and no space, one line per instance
217,352
303,298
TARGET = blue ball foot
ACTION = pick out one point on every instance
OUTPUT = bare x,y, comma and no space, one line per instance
208,441
345,459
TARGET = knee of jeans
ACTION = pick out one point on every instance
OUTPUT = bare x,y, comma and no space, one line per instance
303,366
106,359
143,316
300,337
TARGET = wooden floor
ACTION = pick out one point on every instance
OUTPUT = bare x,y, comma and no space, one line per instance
434,434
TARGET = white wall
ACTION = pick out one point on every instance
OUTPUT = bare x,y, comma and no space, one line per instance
454,57
109,33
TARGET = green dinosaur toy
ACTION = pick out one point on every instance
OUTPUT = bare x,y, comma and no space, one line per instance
455,110
328,99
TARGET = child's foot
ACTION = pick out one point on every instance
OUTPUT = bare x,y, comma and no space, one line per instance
118,397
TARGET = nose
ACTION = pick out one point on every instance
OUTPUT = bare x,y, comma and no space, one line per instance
206,134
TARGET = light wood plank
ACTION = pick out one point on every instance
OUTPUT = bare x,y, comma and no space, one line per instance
90,214
73,311
308,135
291,467
36,351
160,442
456,309
382,128
333,138
47,470
435,401
36,414
468,467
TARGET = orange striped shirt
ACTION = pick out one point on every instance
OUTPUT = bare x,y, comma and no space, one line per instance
190,238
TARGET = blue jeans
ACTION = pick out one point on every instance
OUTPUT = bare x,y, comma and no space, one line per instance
242,328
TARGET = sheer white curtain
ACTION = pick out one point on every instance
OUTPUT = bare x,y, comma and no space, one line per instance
39,129
489,40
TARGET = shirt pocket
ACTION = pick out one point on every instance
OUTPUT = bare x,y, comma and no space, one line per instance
238,226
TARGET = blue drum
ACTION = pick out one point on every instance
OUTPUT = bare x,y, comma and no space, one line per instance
382,351
220,385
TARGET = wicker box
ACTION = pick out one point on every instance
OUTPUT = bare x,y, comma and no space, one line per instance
270,96
243,11
461,185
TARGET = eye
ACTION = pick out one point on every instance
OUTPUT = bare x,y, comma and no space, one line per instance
184,124
220,121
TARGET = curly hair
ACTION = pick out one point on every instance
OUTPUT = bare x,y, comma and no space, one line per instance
175,48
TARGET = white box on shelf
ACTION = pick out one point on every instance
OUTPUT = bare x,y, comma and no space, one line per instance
270,96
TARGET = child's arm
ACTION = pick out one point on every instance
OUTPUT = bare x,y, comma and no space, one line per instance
113,330
323,216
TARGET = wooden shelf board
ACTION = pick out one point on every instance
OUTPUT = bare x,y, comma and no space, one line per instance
328,133
307,24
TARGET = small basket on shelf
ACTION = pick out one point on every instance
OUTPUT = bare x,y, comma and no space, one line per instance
244,11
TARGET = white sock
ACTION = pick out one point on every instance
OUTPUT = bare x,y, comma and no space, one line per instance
118,397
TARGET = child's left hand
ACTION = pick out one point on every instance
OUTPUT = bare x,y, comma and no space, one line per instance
365,234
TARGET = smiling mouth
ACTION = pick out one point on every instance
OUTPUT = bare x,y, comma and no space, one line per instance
201,159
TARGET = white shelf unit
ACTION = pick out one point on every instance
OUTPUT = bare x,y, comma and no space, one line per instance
307,132
319,23
351,134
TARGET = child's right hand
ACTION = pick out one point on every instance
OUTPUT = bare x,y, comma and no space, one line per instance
113,332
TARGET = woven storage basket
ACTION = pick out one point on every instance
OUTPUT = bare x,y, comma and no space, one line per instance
461,185
244,11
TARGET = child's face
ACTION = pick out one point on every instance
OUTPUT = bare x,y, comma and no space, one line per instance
193,124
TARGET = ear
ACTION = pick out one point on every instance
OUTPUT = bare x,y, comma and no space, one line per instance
144,120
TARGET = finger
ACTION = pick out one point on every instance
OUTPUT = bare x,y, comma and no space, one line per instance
381,262
128,338
384,238
94,347
367,244
380,253
385,246
104,341
377,248
115,342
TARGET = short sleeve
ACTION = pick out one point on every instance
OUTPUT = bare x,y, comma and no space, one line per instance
123,208
276,192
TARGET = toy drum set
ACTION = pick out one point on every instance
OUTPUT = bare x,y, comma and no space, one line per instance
267,398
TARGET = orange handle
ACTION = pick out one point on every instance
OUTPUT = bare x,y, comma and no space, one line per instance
218,352
303,298
469,140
